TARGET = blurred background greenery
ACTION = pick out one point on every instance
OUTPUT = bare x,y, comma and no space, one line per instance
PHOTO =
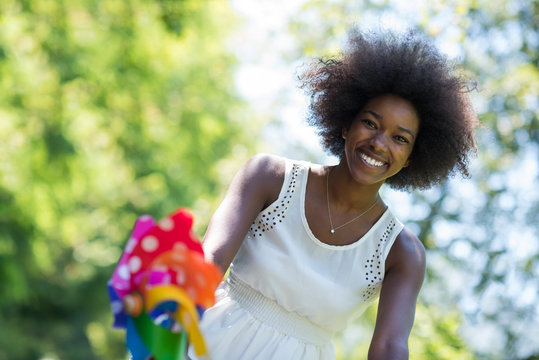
110,109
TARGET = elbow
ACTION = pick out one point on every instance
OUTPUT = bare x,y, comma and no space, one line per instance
217,259
389,350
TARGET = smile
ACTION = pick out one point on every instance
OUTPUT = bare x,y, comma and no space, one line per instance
371,161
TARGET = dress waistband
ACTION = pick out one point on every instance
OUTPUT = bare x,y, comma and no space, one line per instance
274,315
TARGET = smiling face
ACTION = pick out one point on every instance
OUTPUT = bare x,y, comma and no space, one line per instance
380,140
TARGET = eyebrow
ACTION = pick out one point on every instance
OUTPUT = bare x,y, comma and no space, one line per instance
380,117
407,131
375,114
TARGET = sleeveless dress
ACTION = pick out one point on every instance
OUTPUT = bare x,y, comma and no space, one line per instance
287,292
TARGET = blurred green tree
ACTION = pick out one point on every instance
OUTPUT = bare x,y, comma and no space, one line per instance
108,110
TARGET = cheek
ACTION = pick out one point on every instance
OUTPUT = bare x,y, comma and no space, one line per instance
401,154
408,157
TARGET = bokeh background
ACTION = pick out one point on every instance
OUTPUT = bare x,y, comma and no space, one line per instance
110,109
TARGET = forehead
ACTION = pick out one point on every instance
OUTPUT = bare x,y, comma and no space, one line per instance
394,109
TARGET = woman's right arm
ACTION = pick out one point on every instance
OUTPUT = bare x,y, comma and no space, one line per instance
256,185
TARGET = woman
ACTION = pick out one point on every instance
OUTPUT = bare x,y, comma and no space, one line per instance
309,245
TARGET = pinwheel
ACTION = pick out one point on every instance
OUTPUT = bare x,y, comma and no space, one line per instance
160,288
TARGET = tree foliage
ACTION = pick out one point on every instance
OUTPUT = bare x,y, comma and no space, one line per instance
108,110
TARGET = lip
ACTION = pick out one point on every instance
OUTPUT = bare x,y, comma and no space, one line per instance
370,160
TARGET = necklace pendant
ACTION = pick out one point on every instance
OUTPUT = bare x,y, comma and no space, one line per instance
332,231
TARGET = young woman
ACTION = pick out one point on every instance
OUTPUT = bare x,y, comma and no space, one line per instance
309,245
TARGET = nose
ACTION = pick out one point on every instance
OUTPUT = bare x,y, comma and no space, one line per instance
378,142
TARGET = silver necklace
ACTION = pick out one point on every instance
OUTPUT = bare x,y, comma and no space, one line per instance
333,229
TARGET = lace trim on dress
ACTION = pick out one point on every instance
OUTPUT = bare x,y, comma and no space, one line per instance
276,212
373,266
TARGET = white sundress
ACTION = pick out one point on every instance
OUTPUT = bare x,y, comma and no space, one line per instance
287,292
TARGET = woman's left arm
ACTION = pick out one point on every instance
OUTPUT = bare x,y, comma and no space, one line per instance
405,271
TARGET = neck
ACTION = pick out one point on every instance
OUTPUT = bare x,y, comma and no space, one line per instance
347,194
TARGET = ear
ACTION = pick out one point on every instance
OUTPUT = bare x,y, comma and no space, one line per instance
344,132
407,163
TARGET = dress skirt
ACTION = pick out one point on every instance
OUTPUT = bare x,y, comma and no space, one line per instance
246,325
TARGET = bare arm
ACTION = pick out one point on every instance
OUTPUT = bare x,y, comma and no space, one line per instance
396,308
255,186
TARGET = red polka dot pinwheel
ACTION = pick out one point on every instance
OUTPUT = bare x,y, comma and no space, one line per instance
160,288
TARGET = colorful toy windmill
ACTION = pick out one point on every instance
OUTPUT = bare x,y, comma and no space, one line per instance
161,287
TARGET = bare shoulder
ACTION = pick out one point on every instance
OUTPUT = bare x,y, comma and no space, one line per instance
268,164
407,253
266,172
266,168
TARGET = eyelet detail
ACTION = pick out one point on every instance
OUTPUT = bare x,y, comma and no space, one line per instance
277,213
374,274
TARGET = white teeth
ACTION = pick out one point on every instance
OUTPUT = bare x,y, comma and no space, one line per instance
371,161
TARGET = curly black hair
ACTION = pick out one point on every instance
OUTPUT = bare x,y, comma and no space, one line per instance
410,66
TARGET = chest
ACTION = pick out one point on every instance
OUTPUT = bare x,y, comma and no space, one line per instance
321,217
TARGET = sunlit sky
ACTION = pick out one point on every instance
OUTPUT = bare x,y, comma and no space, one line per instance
268,82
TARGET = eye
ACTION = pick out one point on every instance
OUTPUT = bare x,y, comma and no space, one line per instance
369,123
402,139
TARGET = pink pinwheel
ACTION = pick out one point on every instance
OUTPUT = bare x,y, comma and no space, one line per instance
160,288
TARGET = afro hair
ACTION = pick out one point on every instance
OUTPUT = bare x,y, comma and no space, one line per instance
410,66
